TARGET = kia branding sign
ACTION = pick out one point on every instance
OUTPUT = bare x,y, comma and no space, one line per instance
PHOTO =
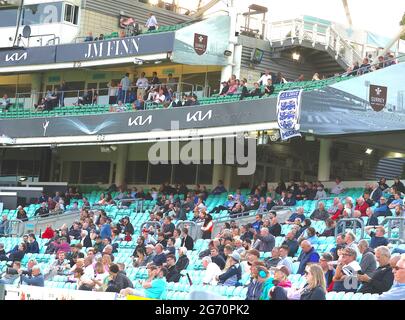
139,121
199,116
16,56
378,97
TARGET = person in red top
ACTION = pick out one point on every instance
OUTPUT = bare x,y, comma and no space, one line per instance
362,206
339,212
48,233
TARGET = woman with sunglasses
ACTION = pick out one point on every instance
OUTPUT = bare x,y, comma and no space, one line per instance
315,289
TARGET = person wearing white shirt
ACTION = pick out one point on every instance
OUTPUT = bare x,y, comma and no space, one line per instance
211,271
263,80
285,259
151,24
142,83
338,188
160,97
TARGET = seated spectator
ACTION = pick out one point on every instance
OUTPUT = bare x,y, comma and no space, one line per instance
33,246
89,37
217,258
330,228
275,228
345,278
269,88
376,193
21,214
315,289
398,185
5,102
285,260
320,214
361,206
19,254
397,291
382,278
311,236
257,91
36,279
298,214
290,200
220,188
326,263
316,77
338,188
365,67
212,271
183,261
139,103
308,255
266,241
117,280
320,193
233,275
233,88
377,236
292,244
11,274
173,275
274,260
368,261
340,244
225,88
350,240
397,201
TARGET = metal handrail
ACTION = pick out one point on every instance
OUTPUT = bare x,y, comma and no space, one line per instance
390,221
34,96
344,222
149,223
194,231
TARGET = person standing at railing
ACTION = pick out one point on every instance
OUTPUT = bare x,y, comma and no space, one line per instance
264,78
112,92
125,84
151,23
142,83
62,89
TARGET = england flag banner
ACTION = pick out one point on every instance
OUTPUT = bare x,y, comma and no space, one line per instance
288,113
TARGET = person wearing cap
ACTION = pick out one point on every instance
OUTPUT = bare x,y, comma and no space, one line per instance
233,275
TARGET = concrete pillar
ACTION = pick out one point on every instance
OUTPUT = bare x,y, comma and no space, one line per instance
121,160
218,173
228,70
228,177
36,88
324,160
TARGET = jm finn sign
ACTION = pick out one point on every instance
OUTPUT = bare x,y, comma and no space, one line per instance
116,48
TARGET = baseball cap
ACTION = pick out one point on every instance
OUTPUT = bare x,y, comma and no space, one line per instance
235,256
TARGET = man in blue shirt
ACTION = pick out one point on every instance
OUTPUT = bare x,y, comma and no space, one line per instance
299,214
37,279
397,201
397,291
257,225
382,210
105,229
377,237
160,258
308,255
290,201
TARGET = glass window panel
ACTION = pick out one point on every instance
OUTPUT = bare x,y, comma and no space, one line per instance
160,173
185,173
95,172
137,172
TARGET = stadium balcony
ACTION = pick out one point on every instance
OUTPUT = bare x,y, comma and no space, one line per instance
18,112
